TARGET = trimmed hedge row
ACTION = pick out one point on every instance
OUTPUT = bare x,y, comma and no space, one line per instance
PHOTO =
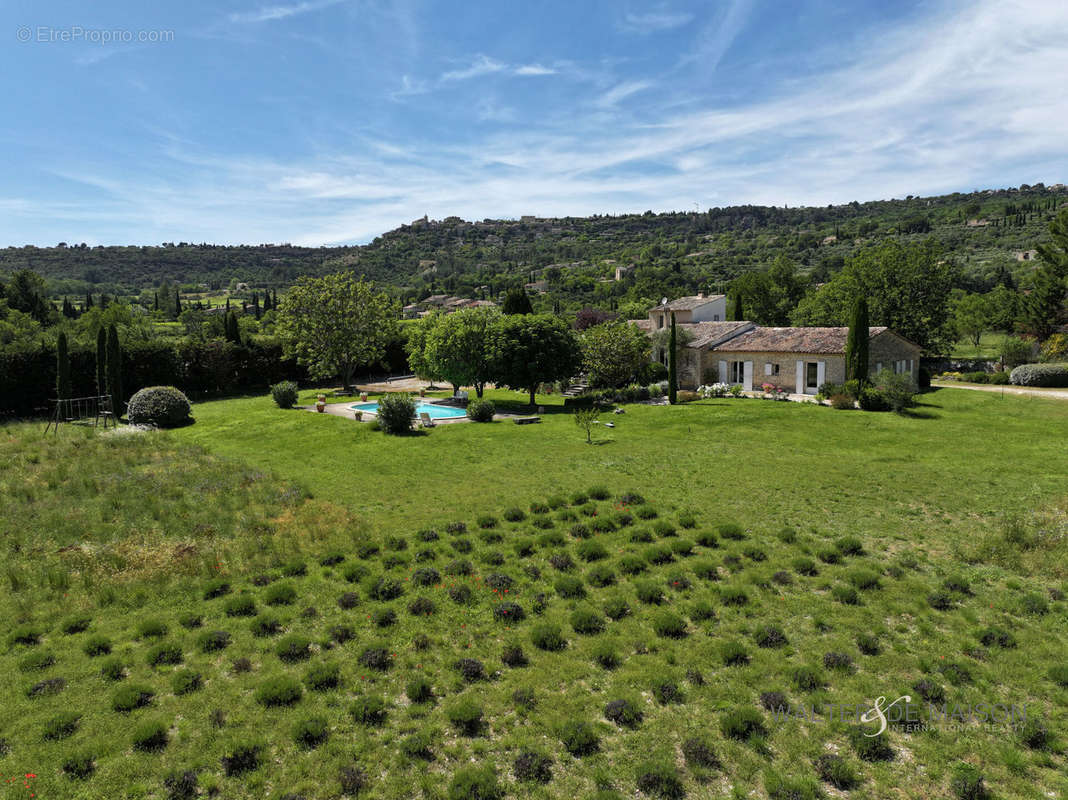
1040,375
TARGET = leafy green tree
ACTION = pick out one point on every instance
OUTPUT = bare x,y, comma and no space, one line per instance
102,361
416,347
459,347
585,419
673,357
907,285
767,297
517,302
1044,305
613,353
856,349
530,349
336,323
27,293
1003,307
63,385
971,317
114,363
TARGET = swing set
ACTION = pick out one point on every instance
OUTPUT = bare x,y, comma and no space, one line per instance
82,410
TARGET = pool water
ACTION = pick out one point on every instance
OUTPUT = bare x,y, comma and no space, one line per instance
435,411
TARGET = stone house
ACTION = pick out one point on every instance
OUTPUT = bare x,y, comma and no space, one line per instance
698,308
796,360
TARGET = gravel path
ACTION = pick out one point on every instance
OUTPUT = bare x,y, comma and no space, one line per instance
1058,394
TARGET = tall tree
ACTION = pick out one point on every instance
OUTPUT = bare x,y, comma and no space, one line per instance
613,353
102,361
177,303
63,385
459,347
115,371
673,369
418,351
737,312
856,350
335,324
517,302
530,349
1044,306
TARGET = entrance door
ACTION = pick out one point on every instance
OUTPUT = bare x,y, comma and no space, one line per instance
812,376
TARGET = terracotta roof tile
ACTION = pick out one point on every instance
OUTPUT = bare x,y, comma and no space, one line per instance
792,340
688,303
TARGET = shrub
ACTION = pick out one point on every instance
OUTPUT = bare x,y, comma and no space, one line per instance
606,656
421,607
601,575
667,691
514,514
669,625
48,686
463,546
460,594
131,696
845,594
280,594
706,570
591,550
323,676
162,406
733,596
279,690
659,555
241,757
396,411
418,745
701,611
1034,734
807,679
532,766
513,656
579,738
113,670
369,710
376,657
547,636
769,636
97,646
470,669
624,713
213,641
836,771
585,620
185,681
1032,603
76,624
216,588
780,788
265,625
293,648
508,611
1040,375
731,530
384,617
311,732
864,579
475,783
79,765
734,654
660,778
782,578
284,394
569,586
150,735
754,554
870,748
839,661
35,662
465,714
241,665
1059,675
684,548
419,690
241,605
966,782
631,564
804,566
997,637
706,539
61,726
164,653
868,644
480,410
929,691
842,402
384,588
941,600
602,525
774,701
649,592
743,723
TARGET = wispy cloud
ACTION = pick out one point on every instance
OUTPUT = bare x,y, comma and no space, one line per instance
271,13
482,65
717,36
534,70
654,21
621,91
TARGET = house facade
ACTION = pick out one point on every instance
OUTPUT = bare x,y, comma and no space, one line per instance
796,360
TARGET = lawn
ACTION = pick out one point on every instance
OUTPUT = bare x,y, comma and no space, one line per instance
296,605
989,346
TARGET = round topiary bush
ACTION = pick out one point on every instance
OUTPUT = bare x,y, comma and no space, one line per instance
396,412
481,410
1040,375
162,406
475,783
284,394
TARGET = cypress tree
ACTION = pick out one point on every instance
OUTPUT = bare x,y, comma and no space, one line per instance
673,375
274,300
101,361
256,304
856,352
62,368
736,307
115,371
177,303
88,300
155,302
266,301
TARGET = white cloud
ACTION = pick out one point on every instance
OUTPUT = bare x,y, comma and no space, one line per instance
271,13
482,65
534,70
654,21
621,91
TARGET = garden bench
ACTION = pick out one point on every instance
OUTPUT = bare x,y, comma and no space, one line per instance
526,420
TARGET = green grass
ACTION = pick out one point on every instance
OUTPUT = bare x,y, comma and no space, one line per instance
965,497
989,346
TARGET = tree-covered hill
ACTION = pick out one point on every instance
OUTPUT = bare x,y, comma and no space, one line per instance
983,232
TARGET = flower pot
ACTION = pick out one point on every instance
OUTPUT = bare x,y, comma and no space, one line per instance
358,415
363,397
422,392
320,407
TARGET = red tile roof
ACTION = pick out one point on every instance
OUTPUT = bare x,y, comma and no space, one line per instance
792,340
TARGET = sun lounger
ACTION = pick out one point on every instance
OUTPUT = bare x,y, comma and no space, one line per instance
425,420
526,420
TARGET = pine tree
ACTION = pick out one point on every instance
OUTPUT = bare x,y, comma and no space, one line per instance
673,374
856,351
256,304
115,371
102,361
177,304
62,368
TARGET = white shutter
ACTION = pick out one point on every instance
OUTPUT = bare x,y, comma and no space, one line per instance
821,373
723,377
767,367
748,384
800,377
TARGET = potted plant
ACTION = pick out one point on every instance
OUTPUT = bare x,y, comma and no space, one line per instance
422,392
358,414
363,397
320,405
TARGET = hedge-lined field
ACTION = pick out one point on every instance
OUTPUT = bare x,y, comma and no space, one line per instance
615,634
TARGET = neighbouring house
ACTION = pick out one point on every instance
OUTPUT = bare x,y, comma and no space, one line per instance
699,308
796,360
412,311
1026,255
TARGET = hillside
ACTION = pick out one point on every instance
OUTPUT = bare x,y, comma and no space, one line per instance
577,257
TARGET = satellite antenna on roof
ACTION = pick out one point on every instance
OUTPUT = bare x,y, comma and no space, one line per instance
663,301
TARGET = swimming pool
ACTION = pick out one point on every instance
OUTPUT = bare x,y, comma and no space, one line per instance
435,411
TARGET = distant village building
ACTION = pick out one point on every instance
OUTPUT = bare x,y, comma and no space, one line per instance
1026,255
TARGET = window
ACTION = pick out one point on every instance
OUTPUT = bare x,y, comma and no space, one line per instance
737,371
660,321
771,369
715,317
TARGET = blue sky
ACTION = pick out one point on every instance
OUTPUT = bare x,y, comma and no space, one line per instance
331,121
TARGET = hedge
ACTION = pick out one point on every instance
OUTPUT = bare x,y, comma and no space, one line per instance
1040,375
